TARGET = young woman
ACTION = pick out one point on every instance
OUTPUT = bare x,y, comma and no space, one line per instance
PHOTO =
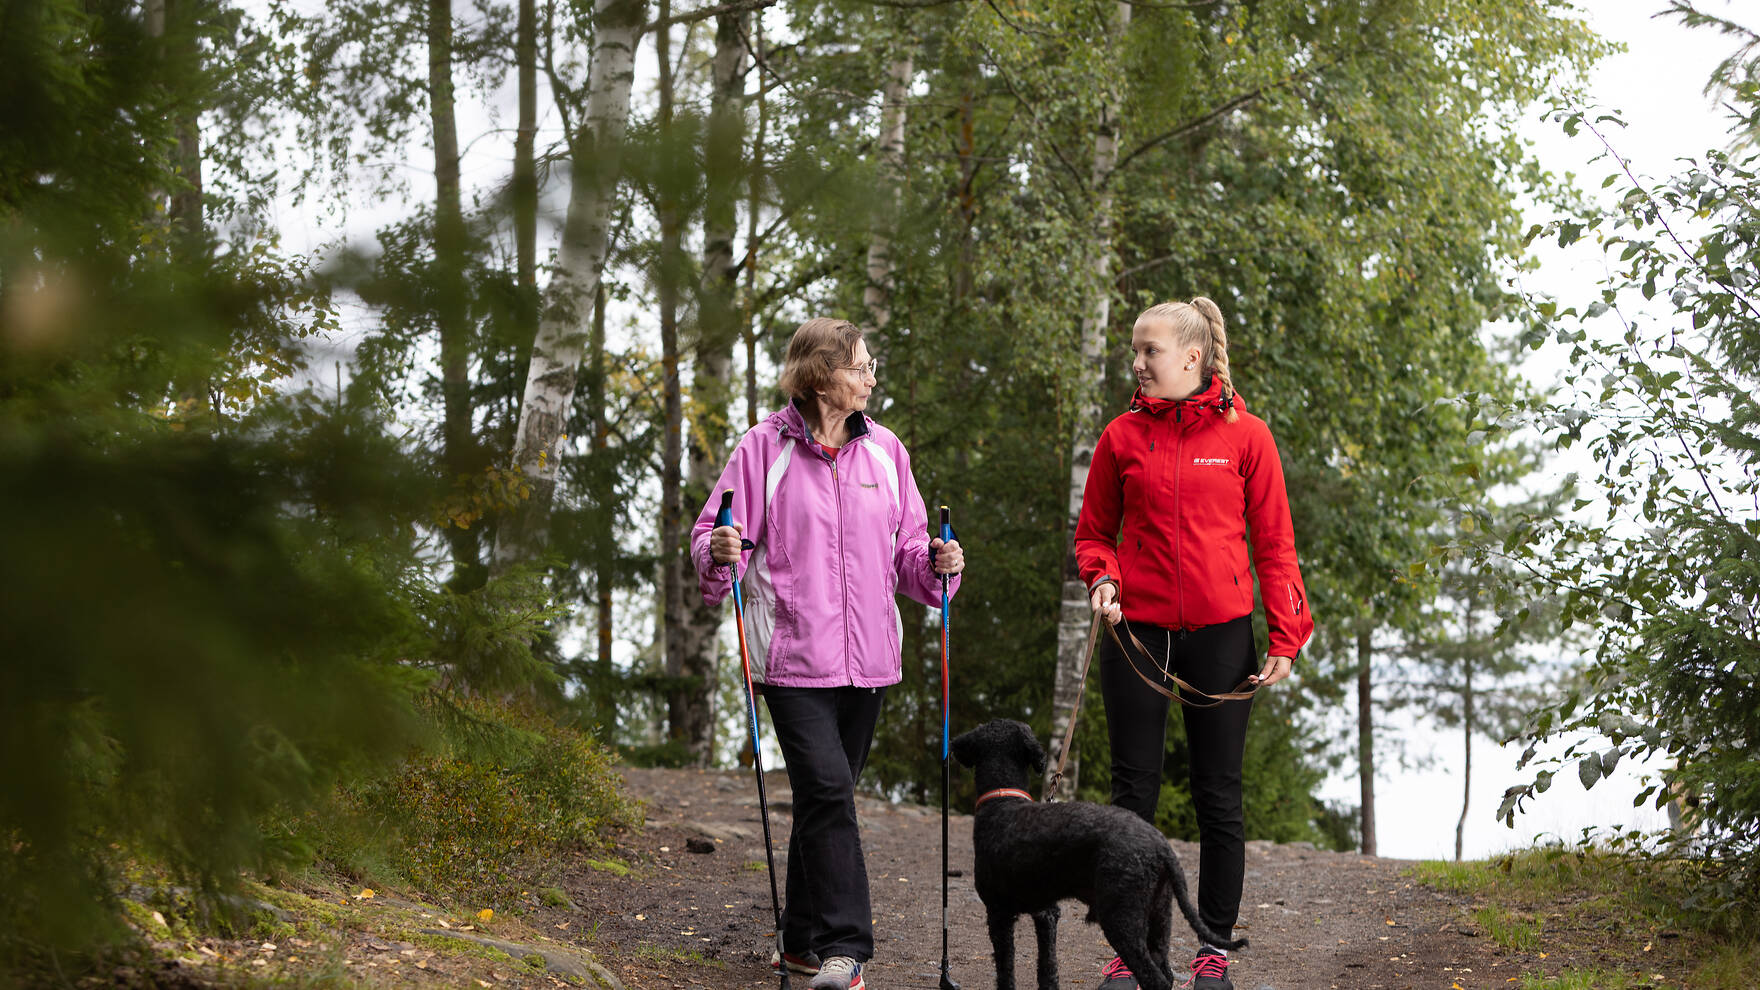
1191,480
827,496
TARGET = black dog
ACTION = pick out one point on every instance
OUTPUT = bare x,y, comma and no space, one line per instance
1030,856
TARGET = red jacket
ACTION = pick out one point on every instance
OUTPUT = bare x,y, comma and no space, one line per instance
1186,484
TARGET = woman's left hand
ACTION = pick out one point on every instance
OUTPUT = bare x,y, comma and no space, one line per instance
949,558
1275,669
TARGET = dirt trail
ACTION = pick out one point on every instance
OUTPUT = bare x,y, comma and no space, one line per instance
703,919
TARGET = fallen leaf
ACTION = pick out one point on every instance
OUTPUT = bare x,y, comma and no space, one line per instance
486,914
365,894
161,920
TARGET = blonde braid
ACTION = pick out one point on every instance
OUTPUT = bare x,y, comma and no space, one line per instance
1218,358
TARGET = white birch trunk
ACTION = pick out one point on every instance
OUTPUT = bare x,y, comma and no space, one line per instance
877,297
560,345
1075,618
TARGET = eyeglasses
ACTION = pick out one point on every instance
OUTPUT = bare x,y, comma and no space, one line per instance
872,368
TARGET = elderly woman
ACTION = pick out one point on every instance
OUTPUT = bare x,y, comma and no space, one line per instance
826,496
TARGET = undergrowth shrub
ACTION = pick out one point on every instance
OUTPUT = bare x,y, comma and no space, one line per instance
477,818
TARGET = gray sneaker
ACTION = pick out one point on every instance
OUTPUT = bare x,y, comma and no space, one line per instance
838,973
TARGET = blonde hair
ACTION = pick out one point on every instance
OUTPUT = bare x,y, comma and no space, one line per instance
818,348
1199,324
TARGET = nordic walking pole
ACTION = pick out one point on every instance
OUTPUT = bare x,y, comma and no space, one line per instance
724,517
946,772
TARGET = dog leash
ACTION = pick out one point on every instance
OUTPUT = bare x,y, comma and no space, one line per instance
1238,694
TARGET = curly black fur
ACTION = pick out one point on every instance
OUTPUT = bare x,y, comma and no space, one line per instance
1030,856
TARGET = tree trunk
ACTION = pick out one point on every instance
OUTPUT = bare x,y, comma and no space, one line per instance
680,697
1075,616
877,296
711,391
451,313
175,23
525,174
186,202
1460,827
965,195
559,347
601,691
1366,738
754,204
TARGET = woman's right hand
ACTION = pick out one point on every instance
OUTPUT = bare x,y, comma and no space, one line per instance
724,543
1104,600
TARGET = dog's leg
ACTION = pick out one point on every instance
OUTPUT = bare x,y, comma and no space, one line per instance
1002,946
1045,928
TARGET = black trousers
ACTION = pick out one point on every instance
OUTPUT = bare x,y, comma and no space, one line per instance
1212,659
825,734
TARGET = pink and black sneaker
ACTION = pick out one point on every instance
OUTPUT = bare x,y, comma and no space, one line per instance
1115,975
1210,972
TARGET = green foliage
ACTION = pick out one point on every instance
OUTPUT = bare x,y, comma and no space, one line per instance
1661,560
478,817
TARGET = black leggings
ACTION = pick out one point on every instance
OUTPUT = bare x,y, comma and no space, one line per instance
1212,659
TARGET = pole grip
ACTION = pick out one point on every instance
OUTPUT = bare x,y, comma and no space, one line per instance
946,527
724,515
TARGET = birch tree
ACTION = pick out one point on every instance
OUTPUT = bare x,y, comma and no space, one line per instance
1075,617
595,149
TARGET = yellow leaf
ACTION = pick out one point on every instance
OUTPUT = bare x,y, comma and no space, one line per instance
486,914
365,894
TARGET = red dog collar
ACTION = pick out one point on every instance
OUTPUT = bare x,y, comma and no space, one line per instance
1000,792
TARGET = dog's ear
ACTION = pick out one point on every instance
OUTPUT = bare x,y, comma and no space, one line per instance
961,747
1030,749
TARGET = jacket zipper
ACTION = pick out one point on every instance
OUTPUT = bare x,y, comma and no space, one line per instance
1179,450
842,569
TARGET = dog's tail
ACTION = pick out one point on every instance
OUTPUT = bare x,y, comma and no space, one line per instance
1172,873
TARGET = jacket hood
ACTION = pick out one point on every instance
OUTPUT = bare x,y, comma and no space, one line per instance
1207,399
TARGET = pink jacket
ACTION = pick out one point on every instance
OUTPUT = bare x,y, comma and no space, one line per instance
837,540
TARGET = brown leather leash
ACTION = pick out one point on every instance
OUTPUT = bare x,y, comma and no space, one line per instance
1180,684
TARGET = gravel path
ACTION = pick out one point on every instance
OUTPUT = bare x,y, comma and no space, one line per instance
703,919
